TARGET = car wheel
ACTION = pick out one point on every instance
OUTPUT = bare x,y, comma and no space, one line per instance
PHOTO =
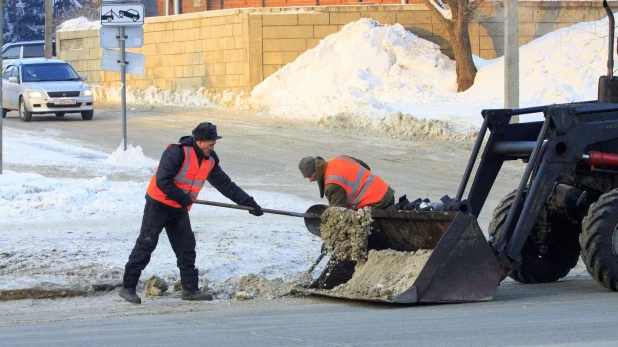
120,14
110,19
59,114
135,19
87,115
24,114
4,112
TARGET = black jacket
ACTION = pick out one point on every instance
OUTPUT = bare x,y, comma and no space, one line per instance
171,161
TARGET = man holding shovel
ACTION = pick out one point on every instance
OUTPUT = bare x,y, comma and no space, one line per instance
182,171
347,182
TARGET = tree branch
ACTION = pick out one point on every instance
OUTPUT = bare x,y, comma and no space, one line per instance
431,4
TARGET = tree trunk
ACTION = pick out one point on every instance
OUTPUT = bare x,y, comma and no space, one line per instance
462,50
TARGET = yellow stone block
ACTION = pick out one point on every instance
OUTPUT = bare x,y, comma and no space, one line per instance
232,81
234,68
343,17
288,32
275,19
313,18
219,69
228,42
321,31
271,69
199,70
271,58
413,17
237,29
312,43
382,17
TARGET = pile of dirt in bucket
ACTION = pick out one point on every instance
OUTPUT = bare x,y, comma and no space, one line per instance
345,232
385,274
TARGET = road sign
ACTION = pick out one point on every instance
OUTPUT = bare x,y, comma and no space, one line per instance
110,37
111,59
122,15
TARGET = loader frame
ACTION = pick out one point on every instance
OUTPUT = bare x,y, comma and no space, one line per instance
552,149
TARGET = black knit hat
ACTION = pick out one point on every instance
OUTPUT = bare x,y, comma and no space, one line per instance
205,131
307,166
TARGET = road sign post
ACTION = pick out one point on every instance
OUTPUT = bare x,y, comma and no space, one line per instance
124,17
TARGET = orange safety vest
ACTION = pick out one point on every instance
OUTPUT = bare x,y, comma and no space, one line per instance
362,187
190,178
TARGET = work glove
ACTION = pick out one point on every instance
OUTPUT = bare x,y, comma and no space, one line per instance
186,201
257,211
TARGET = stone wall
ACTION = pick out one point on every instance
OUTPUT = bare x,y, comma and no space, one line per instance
236,49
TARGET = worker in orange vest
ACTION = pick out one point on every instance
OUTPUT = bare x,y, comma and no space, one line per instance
347,182
184,168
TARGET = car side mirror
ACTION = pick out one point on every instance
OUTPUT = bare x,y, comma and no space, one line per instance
84,77
13,80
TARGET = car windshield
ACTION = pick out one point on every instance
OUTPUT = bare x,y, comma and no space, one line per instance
48,73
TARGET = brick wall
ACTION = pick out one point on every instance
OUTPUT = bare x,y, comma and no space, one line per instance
236,49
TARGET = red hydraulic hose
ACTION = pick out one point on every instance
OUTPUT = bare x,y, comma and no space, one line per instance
600,158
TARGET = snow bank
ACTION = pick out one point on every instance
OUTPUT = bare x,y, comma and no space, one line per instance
80,23
192,97
366,69
367,72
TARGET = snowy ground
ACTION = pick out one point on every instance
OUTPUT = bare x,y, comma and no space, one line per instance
62,232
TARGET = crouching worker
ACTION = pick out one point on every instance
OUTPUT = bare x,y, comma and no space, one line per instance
347,182
182,171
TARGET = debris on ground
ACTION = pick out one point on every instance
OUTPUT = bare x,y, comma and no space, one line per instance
177,286
345,232
155,286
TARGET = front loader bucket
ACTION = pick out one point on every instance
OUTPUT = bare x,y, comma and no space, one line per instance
457,264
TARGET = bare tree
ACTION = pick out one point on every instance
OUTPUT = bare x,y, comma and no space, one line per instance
455,16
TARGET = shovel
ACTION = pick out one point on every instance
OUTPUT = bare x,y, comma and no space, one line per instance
312,216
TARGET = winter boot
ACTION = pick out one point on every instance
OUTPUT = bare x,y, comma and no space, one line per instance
190,290
130,295
195,295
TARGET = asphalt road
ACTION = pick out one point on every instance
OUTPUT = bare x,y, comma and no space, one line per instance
571,313
262,153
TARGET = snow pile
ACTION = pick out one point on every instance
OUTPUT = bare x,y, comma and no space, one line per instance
562,66
59,156
31,197
200,97
80,23
133,157
363,70
379,76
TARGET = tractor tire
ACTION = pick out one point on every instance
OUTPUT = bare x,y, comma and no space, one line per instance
599,240
59,114
533,267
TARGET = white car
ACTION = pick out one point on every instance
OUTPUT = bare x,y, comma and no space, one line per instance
38,86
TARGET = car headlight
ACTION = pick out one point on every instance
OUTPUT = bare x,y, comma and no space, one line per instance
87,93
36,94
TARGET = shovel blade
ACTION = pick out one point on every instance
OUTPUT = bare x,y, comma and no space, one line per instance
313,224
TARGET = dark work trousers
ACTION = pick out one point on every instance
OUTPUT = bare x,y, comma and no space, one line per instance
178,227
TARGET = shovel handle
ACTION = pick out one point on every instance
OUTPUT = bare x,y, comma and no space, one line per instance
247,208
